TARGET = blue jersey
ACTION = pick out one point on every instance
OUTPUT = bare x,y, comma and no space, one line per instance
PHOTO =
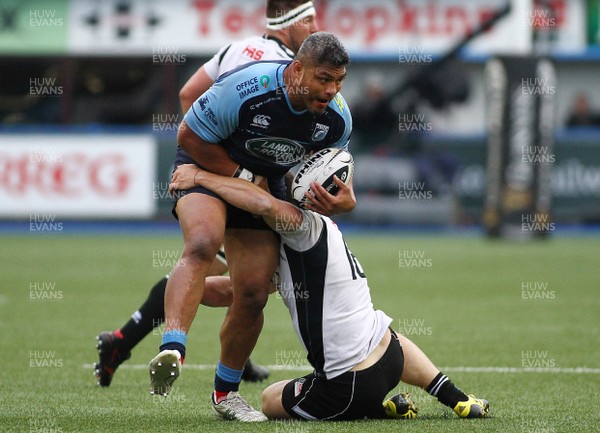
249,113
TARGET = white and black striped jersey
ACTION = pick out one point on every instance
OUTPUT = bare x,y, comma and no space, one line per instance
245,51
326,292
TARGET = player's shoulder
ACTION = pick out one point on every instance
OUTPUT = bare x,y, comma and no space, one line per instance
249,70
257,48
253,79
339,105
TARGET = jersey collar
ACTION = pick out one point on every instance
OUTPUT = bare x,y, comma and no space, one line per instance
289,52
281,84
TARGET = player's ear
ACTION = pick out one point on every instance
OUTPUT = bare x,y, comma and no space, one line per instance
298,68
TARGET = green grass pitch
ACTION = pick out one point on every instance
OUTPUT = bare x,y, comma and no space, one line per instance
528,311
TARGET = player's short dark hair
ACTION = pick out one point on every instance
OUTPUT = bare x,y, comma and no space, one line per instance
277,8
323,48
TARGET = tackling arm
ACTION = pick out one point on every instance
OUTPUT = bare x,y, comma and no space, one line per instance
241,194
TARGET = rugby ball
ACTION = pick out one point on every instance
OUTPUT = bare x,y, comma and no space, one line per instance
320,167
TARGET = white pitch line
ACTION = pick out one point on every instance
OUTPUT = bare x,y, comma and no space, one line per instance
500,370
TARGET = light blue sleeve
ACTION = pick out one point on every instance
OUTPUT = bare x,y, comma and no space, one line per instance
215,115
341,107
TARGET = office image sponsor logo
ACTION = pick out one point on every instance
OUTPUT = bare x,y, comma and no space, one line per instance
414,327
411,54
45,18
413,123
44,359
413,191
248,87
413,259
44,291
44,223
167,55
536,290
45,87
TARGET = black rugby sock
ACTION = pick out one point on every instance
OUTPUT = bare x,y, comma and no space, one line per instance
150,315
445,391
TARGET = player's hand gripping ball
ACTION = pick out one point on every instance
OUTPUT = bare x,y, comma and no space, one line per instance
320,168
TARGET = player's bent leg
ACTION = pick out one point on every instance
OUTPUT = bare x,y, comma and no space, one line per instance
202,221
418,368
272,406
115,347
110,356
421,372
252,257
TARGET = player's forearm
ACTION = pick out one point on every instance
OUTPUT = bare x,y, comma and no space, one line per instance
238,192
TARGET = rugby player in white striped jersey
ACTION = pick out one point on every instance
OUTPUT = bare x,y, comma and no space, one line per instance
357,358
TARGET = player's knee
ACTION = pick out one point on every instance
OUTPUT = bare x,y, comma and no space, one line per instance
200,249
267,403
271,401
252,299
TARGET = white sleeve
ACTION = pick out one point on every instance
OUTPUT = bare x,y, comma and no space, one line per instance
307,235
212,67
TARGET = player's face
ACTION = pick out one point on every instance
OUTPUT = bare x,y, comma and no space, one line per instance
300,30
322,84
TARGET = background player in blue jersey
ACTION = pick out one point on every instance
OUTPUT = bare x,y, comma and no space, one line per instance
265,117
281,40
356,357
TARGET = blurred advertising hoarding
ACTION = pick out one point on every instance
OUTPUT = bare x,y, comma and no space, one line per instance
73,175
201,27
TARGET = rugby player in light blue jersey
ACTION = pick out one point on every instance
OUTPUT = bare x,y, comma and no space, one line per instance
284,34
265,117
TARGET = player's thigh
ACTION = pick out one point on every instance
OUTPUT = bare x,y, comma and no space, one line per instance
202,220
252,256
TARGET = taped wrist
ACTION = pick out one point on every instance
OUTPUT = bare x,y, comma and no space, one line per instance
242,173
